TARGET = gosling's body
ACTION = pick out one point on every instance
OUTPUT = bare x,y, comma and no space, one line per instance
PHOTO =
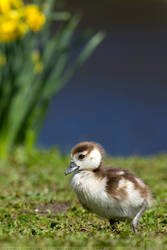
112,193
124,201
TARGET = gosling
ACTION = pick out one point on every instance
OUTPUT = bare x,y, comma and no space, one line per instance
112,193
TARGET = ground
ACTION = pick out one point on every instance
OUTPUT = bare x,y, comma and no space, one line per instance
39,209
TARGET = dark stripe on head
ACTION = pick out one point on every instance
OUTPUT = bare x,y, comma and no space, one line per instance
86,146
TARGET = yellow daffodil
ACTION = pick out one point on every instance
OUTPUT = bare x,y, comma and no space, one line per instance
36,59
3,60
14,14
16,19
34,18
38,67
35,56
16,3
11,29
22,29
6,5
8,29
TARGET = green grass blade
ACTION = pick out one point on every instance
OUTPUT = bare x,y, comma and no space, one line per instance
85,53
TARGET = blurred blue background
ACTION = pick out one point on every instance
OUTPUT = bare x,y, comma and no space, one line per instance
119,97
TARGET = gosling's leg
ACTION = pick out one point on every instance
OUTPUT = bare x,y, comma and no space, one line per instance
112,222
137,217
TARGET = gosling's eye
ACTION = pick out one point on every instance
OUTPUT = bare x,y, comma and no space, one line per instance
81,156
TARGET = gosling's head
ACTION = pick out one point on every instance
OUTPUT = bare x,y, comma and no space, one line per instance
85,156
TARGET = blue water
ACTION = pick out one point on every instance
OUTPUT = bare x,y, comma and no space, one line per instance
118,98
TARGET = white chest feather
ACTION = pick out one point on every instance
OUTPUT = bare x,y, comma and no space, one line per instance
91,192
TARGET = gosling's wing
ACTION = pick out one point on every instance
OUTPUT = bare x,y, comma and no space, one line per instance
122,183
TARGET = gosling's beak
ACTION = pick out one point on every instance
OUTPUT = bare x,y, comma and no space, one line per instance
72,167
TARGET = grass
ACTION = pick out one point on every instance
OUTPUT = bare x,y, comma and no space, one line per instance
33,213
